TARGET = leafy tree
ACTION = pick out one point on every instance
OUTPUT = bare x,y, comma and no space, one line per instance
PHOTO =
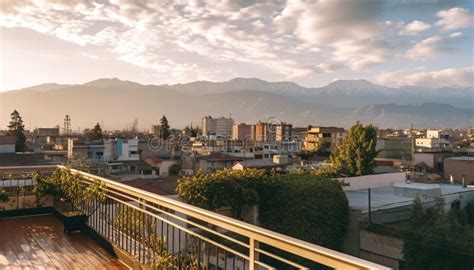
16,128
356,155
438,240
95,133
165,128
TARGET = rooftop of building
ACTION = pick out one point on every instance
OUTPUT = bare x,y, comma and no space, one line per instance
464,158
161,186
387,197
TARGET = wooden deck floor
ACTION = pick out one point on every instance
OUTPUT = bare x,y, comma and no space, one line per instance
38,242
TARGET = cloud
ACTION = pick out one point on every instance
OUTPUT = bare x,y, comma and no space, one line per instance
347,29
433,46
185,40
414,28
455,18
437,78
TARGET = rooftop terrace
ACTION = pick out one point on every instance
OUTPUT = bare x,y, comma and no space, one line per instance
139,227
38,242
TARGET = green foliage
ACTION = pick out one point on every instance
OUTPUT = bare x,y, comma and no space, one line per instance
3,195
175,169
223,188
307,207
142,228
438,240
16,128
304,206
69,187
356,155
95,133
470,212
164,128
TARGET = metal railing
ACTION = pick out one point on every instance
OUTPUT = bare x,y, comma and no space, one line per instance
135,220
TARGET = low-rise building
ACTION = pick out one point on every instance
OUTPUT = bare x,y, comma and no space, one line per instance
461,169
7,145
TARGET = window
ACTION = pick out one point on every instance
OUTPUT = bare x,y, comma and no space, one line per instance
326,135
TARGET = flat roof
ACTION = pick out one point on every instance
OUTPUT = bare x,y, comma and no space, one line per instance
462,158
385,197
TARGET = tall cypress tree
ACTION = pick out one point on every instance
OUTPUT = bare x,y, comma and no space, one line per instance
16,128
165,128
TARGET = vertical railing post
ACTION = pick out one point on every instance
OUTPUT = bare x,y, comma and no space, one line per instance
252,254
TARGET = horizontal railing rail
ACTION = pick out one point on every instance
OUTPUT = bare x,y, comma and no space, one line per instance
134,220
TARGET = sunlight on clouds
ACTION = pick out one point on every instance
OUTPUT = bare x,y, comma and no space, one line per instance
192,39
438,78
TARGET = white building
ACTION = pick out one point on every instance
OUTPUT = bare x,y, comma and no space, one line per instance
435,140
121,149
220,126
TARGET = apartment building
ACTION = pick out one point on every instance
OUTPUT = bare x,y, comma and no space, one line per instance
241,132
283,132
220,126
263,132
329,137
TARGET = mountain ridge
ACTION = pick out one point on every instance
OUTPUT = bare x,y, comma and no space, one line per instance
118,102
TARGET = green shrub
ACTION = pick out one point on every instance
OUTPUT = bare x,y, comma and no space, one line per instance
308,207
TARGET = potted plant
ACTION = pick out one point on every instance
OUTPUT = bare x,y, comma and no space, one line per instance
3,195
70,193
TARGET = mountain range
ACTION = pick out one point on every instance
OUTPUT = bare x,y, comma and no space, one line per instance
116,103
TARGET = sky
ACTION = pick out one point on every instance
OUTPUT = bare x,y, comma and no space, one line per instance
312,43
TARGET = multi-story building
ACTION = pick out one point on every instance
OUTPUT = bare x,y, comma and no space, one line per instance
121,149
283,132
241,132
263,132
329,137
220,126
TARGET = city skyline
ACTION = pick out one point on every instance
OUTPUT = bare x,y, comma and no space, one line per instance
388,42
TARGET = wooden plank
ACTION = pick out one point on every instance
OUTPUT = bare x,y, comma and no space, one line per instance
38,242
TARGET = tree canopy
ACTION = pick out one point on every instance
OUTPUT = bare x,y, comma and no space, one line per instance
439,240
356,156
95,133
16,128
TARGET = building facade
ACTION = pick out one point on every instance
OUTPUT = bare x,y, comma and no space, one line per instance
220,126
241,132
329,137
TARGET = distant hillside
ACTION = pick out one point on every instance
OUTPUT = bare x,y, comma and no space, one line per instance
117,103
341,93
